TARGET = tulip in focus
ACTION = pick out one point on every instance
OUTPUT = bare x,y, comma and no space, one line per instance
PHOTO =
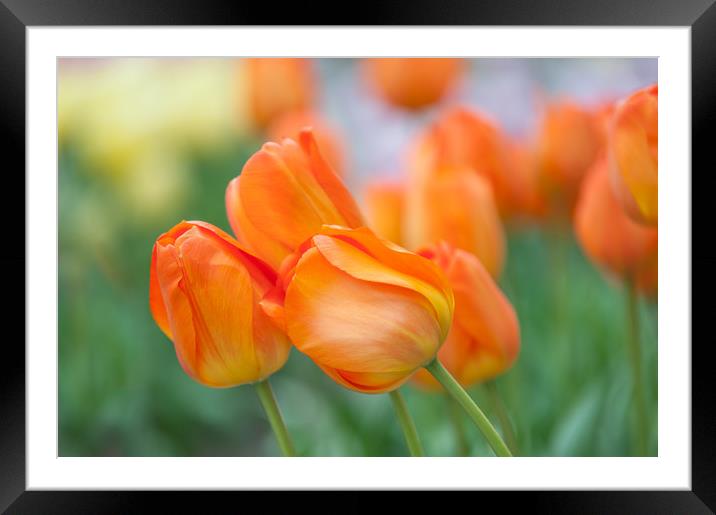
205,293
456,205
290,125
283,196
633,151
484,339
367,312
384,203
612,240
413,83
275,86
569,141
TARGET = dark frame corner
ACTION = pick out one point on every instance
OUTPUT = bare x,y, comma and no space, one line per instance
700,15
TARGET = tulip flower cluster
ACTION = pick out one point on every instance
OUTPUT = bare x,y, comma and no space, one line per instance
304,269
411,290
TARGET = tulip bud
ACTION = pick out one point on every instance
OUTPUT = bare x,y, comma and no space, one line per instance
283,196
367,312
484,339
290,124
569,141
413,83
608,236
634,156
456,205
384,202
276,86
462,138
205,292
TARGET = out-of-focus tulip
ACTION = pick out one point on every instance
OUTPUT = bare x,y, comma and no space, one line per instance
205,293
384,203
283,196
366,311
290,124
611,239
633,151
456,205
484,339
464,138
569,141
276,86
524,200
413,83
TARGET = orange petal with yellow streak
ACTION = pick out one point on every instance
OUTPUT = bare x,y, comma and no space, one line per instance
358,326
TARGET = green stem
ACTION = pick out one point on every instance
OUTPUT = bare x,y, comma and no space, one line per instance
463,446
268,401
406,424
478,417
502,416
635,354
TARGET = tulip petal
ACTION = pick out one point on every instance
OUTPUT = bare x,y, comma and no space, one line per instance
474,359
609,237
156,303
280,199
272,251
331,316
634,151
330,182
468,220
482,310
367,382
179,316
384,203
364,266
260,271
282,192
392,255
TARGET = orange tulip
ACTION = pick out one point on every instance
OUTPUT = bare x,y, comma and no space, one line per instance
610,238
384,203
456,205
285,193
205,293
569,141
278,85
289,125
633,154
524,199
413,83
464,138
484,339
366,311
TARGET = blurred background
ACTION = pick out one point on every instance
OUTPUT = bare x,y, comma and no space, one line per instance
145,143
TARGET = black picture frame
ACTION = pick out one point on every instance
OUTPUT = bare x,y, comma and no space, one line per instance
17,15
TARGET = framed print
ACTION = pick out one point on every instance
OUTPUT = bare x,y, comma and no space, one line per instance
422,257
